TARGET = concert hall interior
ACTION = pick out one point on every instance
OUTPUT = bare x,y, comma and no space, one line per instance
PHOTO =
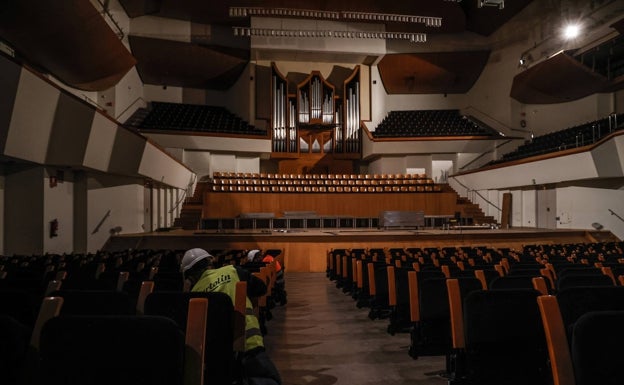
452,136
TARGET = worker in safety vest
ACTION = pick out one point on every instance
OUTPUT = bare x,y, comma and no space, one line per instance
198,268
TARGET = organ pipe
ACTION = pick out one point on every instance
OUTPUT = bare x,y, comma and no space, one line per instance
315,103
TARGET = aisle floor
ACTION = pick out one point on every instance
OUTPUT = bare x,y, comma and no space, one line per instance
320,338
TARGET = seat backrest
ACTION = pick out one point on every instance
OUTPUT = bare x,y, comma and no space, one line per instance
14,351
504,337
219,329
457,290
122,350
433,299
573,280
597,341
513,282
95,302
22,305
576,301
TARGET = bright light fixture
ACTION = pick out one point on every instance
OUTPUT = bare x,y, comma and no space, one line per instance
571,31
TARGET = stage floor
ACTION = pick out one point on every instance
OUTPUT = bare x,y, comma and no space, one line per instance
306,249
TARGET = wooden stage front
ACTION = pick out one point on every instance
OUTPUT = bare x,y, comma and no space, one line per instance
305,250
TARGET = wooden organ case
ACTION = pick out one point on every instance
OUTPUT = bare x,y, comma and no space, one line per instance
316,129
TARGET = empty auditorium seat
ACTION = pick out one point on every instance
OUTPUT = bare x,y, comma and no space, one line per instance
112,350
504,338
219,355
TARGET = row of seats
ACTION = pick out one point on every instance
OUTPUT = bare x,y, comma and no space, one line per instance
328,189
479,306
568,138
321,182
108,332
249,175
188,117
429,123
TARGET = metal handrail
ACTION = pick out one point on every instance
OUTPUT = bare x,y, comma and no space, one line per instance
93,102
484,154
105,11
468,189
130,105
466,111
185,194
616,215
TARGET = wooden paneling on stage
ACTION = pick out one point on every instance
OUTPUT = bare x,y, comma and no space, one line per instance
305,250
230,205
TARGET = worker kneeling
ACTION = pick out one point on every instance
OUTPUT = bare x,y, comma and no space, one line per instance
198,268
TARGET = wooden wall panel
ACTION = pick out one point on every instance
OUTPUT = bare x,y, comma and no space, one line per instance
229,205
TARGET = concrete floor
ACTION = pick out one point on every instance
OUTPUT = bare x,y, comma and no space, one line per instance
320,338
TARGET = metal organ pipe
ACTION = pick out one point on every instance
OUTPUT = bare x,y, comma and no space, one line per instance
316,98
292,126
356,123
274,112
282,113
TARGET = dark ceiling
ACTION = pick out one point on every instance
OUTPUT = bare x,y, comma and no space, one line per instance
68,39
71,40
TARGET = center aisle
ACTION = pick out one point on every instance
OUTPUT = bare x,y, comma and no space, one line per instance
320,338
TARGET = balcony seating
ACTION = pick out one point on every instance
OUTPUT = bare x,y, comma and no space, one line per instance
568,138
197,118
420,123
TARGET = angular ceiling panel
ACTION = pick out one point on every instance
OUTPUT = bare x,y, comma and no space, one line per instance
182,64
431,73
67,38
559,79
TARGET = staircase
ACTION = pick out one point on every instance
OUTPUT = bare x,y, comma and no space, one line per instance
473,211
191,212
137,117
469,211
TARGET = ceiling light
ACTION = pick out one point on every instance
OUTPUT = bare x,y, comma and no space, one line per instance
429,21
271,32
571,31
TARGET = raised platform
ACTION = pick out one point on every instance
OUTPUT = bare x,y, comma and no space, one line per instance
306,249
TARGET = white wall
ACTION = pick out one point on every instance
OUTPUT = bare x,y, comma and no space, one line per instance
243,107
248,164
222,162
23,210
545,118
198,161
128,96
58,203
388,165
167,94
159,166
579,207
382,103
212,143
112,206
162,207
528,208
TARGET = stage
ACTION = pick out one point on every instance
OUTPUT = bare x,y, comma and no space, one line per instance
306,249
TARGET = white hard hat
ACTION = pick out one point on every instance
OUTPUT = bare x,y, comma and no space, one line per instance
191,257
252,254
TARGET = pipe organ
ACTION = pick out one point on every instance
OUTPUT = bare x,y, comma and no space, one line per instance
316,119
